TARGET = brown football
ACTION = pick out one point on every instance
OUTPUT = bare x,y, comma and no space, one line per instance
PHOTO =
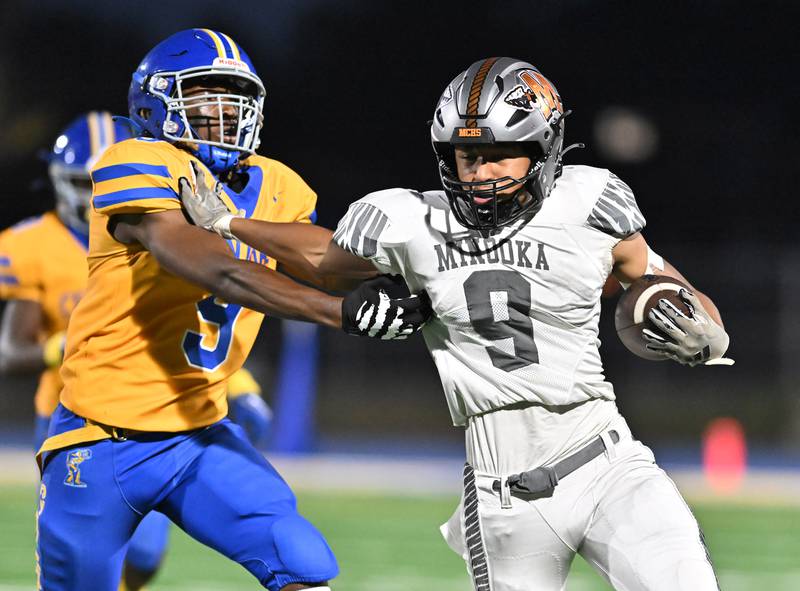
631,315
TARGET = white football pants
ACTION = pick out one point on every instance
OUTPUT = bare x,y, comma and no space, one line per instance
620,511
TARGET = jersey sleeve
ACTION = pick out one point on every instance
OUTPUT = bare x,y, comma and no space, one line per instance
137,176
19,270
616,212
373,229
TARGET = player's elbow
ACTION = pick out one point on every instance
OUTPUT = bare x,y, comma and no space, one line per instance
222,282
226,278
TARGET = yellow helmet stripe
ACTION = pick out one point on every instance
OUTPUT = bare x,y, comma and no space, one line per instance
235,50
108,125
217,41
94,132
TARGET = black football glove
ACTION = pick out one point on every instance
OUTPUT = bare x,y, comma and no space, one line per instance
383,308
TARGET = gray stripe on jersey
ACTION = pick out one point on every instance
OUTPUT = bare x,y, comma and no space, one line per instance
370,247
360,223
616,212
478,566
361,229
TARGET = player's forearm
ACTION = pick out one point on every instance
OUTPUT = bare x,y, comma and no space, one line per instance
204,259
301,246
633,258
304,251
267,291
251,285
317,278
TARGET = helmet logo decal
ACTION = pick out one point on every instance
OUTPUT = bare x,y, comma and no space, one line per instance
475,91
535,91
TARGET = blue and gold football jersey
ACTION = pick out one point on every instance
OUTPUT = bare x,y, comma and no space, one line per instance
44,261
147,350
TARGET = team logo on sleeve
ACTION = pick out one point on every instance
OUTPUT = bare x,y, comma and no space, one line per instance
535,92
74,461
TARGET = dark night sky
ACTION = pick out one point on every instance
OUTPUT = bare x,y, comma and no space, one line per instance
351,85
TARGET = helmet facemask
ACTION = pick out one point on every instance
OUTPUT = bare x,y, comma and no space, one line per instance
73,191
499,209
219,126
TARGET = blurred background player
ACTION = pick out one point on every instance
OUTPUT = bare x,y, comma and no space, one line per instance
44,275
169,314
44,262
514,255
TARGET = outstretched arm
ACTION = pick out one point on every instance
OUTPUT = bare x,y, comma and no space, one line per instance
374,309
204,259
698,337
303,250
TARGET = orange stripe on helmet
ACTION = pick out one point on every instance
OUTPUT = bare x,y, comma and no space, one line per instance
476,89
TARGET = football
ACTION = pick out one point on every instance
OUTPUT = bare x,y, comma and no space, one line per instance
631,315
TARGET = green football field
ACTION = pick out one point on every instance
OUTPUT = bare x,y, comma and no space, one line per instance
392,544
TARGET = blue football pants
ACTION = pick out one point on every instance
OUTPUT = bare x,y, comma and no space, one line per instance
211,482
149,541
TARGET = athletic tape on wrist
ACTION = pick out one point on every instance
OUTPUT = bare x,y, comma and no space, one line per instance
223,226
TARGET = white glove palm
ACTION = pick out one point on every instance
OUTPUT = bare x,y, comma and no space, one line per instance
691,340
205,206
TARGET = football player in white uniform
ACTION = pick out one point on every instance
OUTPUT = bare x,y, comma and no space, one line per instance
514,254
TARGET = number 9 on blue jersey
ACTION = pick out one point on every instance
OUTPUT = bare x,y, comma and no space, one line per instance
224,317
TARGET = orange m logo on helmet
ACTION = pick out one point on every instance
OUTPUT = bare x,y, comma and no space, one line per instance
544,92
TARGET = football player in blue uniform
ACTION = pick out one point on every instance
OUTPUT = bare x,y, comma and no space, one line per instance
43,274
169,315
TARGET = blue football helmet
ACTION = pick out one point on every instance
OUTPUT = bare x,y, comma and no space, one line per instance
74,153
230,108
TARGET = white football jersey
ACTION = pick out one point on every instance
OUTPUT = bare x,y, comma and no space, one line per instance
516,313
